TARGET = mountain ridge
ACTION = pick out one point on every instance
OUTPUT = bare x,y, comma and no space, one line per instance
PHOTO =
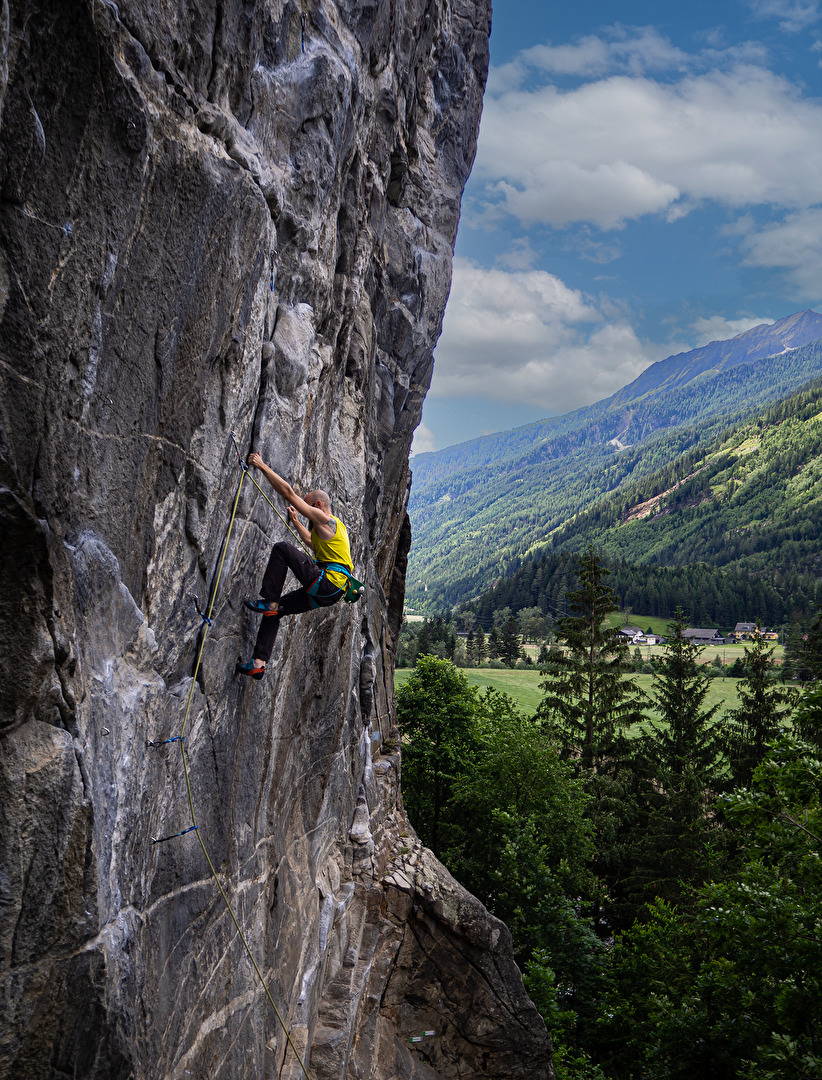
476,494
809,322
728,533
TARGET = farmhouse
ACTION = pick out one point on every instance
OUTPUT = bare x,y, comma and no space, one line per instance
747,631
703,637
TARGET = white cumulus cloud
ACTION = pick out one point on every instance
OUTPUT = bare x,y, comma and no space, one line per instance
525,337
624,146
793,15
424,440
719,328
793,245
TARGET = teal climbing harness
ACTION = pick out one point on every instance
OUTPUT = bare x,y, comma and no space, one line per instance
353,588
312,590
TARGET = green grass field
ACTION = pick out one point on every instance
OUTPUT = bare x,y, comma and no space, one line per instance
523,686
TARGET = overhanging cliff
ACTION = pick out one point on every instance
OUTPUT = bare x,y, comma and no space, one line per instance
231,215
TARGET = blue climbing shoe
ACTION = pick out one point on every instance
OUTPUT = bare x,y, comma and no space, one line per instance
259,607
250,668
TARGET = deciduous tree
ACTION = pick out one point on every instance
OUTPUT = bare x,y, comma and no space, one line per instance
436,713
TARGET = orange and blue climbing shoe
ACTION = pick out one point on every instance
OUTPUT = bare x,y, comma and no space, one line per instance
250,668
260,607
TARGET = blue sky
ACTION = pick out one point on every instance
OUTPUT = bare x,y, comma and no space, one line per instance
648,179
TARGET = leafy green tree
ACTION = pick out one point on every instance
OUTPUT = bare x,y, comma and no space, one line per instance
807,716
436,713
730,990
532,624
585,696
569,1061
470,646
524,845
763,704
501,617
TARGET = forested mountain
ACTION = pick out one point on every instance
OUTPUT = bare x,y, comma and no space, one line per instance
751,501
729,531
480,508
709,595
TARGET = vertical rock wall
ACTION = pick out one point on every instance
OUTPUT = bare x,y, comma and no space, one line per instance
217,216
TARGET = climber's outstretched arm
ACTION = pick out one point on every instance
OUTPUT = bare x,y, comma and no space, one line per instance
316,514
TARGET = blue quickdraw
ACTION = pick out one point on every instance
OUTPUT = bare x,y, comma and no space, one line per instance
162,742
202,614
173,836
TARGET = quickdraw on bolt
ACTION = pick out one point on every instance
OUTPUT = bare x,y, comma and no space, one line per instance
202,614
173,836
240,458
162,742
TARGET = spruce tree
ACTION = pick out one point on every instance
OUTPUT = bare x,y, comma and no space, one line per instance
763,704
480,648
678,767
470,645
685,738
424,640
585,695
509,642
812,648
794,665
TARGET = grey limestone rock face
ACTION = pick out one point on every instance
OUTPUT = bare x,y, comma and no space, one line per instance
223,216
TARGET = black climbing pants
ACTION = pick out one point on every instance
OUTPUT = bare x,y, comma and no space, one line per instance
285,557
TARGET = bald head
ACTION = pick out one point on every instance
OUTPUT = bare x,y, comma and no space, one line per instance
319,497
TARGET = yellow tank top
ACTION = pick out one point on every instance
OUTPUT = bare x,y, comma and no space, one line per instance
337,549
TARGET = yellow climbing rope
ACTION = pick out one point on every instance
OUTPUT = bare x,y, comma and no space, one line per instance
181,739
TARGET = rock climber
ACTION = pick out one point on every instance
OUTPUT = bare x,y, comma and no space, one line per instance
323,578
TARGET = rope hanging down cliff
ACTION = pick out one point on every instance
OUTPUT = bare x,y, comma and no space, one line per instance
207,623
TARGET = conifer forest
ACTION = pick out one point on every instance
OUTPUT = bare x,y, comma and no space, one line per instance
656,859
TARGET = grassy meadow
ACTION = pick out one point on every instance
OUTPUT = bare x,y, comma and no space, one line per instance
523,686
